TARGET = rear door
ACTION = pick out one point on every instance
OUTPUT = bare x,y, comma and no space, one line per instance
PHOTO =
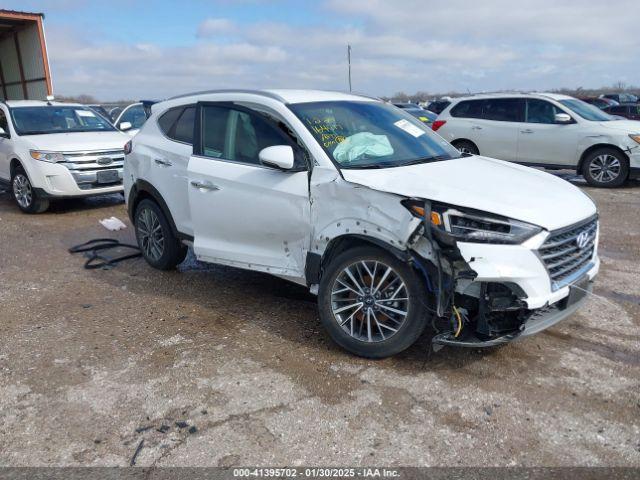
168,160
244,213
543,141
496,133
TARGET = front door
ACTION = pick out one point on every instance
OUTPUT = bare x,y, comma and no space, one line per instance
543,141
244,213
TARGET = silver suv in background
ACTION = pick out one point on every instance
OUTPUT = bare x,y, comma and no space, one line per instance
545,130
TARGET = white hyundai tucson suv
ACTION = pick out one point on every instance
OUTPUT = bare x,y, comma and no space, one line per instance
392,227
545,130
51,150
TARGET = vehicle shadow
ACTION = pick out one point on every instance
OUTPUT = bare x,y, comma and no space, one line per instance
273,306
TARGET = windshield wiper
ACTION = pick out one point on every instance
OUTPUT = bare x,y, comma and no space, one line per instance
426,160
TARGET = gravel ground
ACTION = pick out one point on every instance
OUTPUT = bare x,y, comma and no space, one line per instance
212,366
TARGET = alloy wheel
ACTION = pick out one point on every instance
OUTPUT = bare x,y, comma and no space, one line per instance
605,168
22,190
150,234
370,301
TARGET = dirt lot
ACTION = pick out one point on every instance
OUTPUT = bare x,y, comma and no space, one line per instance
215,366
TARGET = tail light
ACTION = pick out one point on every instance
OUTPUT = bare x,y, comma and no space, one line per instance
437,124
128,147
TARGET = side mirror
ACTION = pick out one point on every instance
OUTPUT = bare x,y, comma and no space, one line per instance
124,126
563,118
280,156
3,133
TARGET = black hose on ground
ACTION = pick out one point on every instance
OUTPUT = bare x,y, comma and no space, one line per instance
94,249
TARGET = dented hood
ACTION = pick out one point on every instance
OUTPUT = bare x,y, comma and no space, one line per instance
494,186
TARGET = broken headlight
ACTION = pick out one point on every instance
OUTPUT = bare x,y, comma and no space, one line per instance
467,225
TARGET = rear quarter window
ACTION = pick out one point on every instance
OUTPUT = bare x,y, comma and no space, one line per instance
468,109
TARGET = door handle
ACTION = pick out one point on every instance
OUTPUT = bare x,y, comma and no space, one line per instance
164,163
476,127
528,130
204,185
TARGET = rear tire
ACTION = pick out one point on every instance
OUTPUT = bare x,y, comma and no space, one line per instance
465,146
26,197
158,244
381,288
605,167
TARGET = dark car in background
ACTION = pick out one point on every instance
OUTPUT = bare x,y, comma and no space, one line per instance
425,116
599,102
621,97
438,106
630,111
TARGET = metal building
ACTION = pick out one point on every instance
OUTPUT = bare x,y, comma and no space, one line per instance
24,65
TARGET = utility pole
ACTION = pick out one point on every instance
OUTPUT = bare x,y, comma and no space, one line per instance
349,61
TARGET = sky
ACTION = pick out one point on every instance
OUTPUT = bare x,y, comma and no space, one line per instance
118,49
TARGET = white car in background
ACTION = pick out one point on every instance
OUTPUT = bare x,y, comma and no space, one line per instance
361,202
545,130
51,150
131,119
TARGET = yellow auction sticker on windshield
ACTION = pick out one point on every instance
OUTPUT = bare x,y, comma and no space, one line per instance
409,127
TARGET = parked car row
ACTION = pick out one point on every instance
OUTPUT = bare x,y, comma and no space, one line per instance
395,227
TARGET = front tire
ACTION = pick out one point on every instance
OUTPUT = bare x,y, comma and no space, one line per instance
28,200
158,244
371,303
606,167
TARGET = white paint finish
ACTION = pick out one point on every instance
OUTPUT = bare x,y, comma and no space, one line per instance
486,184
251,216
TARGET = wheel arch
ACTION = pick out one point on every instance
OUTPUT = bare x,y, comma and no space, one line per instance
142,190
595,147
462,139
13,164
316,262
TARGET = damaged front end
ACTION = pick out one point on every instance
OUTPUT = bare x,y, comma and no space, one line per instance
473,310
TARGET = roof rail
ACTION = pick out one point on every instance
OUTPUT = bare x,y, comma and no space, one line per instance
231,90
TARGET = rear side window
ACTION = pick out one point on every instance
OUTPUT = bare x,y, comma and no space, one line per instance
504,109
168,118
178,123
183,131
468,109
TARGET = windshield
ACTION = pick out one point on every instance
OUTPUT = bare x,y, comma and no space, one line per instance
57,119
371,134
586,110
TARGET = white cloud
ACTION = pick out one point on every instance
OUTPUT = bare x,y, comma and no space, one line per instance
212,27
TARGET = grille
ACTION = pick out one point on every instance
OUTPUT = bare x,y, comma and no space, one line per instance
564,259
84,166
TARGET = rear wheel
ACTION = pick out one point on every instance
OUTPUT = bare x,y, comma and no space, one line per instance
160,247
371,303
465,146
605,167
28,200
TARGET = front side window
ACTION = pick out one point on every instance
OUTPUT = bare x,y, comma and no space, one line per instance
57,119
239,135
135,115
504,109
371,134
586,111
541,111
